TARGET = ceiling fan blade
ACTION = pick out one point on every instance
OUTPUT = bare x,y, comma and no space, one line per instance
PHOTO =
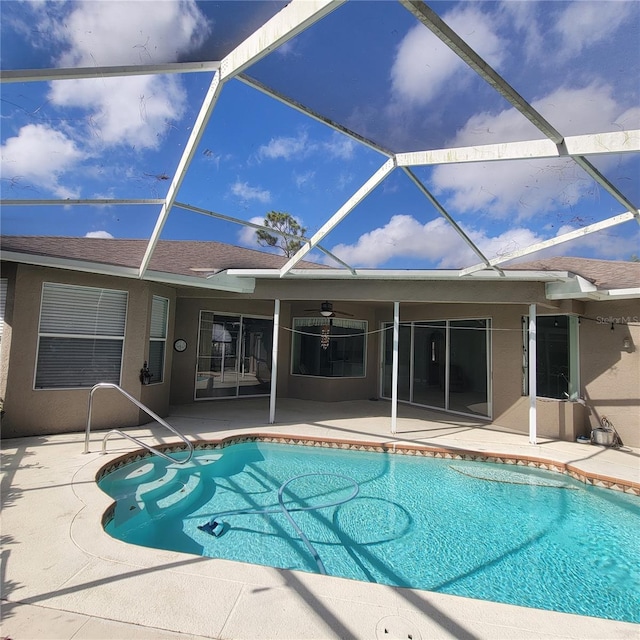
343,313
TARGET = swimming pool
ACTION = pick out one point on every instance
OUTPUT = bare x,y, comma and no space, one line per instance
495,532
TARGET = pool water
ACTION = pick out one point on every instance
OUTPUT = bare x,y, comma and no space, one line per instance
489,531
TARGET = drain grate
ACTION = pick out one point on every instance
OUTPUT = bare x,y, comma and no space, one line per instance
397,628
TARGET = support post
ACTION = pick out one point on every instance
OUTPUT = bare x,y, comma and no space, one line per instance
394,374
274,361
532,353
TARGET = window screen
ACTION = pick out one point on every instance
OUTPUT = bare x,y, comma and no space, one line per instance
332,348
556,360
81,336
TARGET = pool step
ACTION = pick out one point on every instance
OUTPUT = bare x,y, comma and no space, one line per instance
181,496
179,493
124,481
156,488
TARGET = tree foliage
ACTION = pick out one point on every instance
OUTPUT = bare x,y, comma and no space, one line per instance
281,223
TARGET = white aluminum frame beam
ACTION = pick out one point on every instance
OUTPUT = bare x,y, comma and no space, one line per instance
532,356
395,367
208,104
443,212
274,361
294,18
589,144
294,104
404,274
441,29
552,242
341,213
91,202
85,73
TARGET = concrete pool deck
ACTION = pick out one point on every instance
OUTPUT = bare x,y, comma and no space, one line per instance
64,578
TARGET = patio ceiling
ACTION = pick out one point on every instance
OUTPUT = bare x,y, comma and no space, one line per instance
313,87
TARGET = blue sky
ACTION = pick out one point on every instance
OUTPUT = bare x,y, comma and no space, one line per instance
369,66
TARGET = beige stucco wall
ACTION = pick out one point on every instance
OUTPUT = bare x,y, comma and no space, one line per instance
30,411
610,372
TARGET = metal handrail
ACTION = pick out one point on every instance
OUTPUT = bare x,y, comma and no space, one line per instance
111,385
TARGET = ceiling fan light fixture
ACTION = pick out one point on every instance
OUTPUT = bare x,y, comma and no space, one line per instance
326,309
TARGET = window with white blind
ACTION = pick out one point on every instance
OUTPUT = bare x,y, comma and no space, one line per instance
81,336
3,303
158,338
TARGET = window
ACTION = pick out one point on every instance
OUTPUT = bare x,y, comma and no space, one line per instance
556,357
158,338
81,336
332,348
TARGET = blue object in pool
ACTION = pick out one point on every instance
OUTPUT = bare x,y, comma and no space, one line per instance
488,531
214,527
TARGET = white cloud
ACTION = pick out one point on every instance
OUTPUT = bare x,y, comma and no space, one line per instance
41,155
244,191
438,243
247,235
523,17
339,146
131,110
288,148
300,146
630,119
169,29
524,188
435,241
98,234
344,180
424,64
583,24
134,111
305,179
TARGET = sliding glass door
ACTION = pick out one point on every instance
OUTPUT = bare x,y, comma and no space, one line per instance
441,364
234,356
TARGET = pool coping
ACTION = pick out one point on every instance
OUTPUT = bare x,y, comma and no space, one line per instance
451,453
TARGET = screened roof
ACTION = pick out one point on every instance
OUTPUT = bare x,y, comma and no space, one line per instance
401,135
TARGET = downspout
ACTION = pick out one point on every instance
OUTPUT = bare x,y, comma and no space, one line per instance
394,375
532,374
274,361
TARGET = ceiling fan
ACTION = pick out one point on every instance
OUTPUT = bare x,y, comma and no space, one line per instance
326,309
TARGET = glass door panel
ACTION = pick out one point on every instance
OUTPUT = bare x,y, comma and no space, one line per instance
234,356
468,367
429,351
255,365
217,360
